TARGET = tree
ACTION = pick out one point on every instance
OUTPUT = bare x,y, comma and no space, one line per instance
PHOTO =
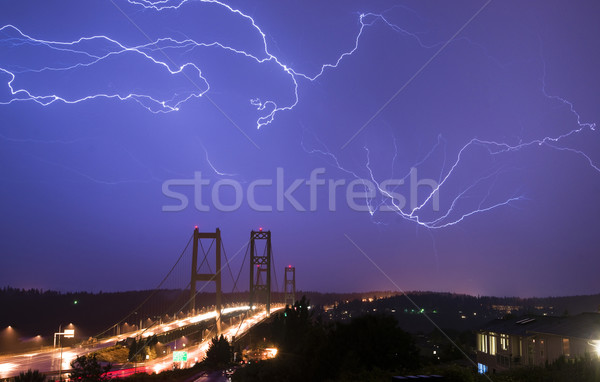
219,353
86,368
292,331
367,348
374,341
30,376
139,350
133,351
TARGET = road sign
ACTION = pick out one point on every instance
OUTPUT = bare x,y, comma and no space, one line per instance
69,333
180,356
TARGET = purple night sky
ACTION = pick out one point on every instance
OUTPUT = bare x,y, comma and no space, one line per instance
110,109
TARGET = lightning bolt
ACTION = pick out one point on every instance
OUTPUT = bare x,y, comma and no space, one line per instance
87,52
451,217
82,47
218,172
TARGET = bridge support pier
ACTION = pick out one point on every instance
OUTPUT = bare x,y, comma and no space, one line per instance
289,286
261,287
216,277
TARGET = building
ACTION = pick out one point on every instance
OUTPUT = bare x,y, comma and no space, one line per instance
536,340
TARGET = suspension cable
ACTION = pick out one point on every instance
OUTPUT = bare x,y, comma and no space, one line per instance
241,268
153,292
188,285
227,261
205,256
275,271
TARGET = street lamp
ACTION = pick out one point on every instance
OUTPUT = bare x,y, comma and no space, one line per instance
68,333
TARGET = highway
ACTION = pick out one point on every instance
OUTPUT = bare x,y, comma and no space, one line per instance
197,352
49,361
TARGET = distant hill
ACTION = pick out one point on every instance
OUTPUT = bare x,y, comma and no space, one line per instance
32,312
416,310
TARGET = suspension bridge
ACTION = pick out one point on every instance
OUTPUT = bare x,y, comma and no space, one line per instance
182,318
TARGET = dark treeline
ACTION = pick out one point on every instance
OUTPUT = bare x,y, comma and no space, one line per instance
458,311
34,312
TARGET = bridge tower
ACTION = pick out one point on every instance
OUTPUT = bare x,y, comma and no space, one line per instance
216,277
260,287
289,286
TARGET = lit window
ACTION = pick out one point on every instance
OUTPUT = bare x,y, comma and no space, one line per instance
492,345
566,347
504,341
482,342
481,368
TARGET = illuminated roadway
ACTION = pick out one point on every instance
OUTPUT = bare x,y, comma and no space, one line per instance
49,360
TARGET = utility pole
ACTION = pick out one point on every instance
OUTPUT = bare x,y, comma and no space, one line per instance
68,333
61,353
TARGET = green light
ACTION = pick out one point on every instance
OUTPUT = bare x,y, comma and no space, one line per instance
75,302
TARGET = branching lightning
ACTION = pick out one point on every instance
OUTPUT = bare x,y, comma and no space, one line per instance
94,50
83,54
450,217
